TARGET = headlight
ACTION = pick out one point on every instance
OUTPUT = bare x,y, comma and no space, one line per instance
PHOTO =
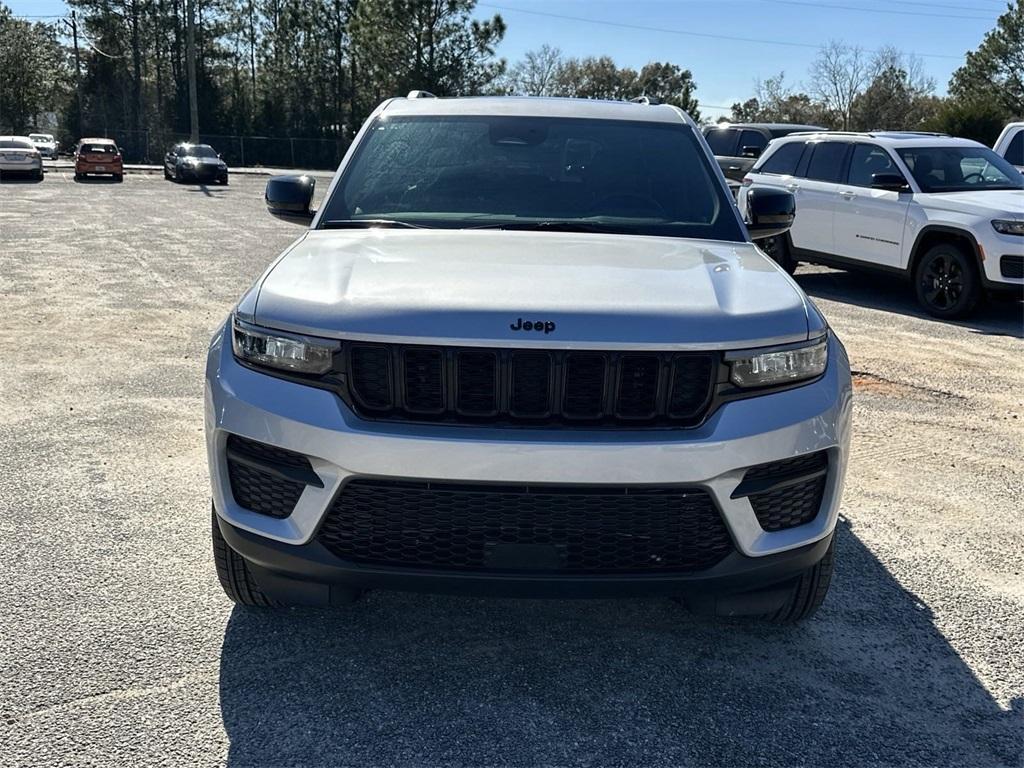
1008,226
276,349
779,366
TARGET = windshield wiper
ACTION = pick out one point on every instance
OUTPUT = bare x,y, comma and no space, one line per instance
368,224
556,226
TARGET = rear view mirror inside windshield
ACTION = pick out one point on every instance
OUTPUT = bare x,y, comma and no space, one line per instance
523,133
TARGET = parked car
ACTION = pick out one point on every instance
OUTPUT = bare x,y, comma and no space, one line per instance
195,162
1010,145
98,156
526,347
946,213
45,144
18,155
736,146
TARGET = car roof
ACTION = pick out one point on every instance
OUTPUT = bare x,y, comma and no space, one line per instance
771,126
884,138
96,141
532,106
15,138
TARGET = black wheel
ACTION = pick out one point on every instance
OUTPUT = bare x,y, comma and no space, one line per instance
39,175
118,177
235,576
808,591
946,282
78,176
778,250
166,174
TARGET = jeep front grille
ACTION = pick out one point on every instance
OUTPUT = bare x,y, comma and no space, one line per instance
468,384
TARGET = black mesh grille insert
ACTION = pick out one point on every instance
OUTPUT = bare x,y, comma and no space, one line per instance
257,489
560,529
424,380
470,385
1011,265
786,493
789,506
477,382
371,376
638,386
584,386
531,385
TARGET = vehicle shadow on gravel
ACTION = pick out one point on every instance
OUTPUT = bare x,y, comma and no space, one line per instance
5,179
426,680
1000,317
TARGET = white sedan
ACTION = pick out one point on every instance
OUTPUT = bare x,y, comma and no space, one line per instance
18,155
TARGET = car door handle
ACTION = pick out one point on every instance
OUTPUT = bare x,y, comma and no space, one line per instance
733,168
793,187
848,194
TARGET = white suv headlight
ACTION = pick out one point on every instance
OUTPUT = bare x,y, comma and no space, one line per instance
1008,226
753,368
284,351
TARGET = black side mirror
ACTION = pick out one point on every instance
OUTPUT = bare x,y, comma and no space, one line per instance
289,197
750,151
771,212
892,182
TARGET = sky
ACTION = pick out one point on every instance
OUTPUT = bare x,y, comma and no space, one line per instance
638,31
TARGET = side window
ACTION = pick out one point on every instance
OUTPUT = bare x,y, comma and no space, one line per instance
866,161
1015,151
784,160
752,143
827,161
722,141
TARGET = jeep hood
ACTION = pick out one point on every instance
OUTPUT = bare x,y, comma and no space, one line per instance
470,287
997,202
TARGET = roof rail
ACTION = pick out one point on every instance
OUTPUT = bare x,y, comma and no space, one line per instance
420,95
648,100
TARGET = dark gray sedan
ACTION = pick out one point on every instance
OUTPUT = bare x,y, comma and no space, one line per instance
195,162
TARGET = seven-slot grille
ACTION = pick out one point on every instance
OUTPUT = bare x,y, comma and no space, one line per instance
532,386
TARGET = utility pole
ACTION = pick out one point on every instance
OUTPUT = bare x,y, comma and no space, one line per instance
193,106
78,69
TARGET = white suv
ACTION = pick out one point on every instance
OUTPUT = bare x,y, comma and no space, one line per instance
947,213
527,347
1010,145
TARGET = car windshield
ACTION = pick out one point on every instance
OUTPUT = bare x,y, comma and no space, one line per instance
552,174
960,169
15,144
199,151
40,137
97,149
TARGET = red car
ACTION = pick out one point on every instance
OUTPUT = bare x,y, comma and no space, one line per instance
98,156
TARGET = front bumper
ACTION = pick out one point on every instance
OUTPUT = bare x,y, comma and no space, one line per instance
341,446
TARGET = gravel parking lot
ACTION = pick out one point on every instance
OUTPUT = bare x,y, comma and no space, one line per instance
118,647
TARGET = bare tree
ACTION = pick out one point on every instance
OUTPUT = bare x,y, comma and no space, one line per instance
837,77
536,74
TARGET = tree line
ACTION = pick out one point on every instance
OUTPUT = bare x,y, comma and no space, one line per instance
316,68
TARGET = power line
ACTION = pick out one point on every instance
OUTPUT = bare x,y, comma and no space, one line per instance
856,9
1002,6
687,33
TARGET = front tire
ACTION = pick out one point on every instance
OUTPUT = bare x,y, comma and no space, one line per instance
779,251
235,577
946,282
808,591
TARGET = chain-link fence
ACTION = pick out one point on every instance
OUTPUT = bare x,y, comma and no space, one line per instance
145,146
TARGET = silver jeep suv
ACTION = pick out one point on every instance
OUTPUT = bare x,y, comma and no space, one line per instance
526,347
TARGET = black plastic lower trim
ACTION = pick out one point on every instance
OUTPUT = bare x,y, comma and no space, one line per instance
309,573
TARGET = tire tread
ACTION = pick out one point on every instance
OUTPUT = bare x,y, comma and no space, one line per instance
234,575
